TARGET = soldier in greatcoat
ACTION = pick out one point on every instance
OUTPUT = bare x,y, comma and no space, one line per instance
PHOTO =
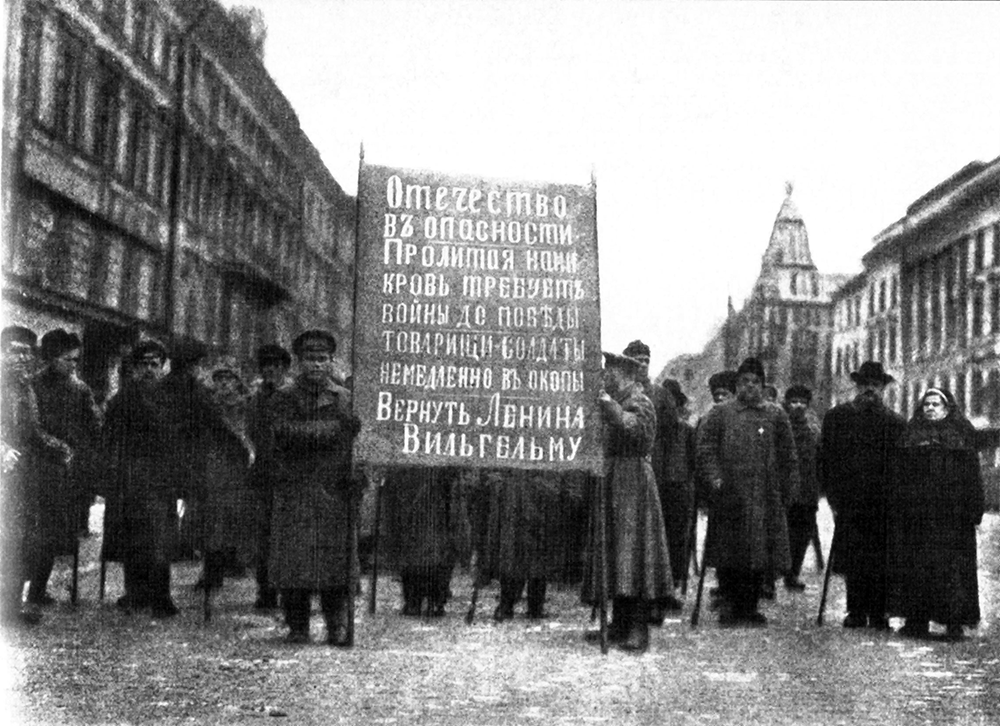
859,459
273,363
668,431
140,519
25,443
313,527
67,411
634,539
425,532
747,454
802,508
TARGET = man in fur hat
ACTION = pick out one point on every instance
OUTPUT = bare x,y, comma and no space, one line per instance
747,453
313,527
68,411
859,457
636,549
802,508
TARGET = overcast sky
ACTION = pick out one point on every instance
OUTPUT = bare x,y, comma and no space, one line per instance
693,116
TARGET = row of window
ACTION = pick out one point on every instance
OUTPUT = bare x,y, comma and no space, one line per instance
881,296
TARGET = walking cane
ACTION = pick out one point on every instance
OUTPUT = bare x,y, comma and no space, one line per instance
104,575
74,588
690,549
826,583
817,547
375,538
696,613
603,554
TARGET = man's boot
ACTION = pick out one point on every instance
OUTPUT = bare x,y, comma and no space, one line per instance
536,598
162,604
637,627
335,612
510,593
411,599
295,603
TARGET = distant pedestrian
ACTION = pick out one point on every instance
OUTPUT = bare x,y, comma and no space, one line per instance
273,364
805,501
933,572
722,386
140,516
67,410
313,527
859,461
425,532
747,454
636,544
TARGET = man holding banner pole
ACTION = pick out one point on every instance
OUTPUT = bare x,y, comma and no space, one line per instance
638,561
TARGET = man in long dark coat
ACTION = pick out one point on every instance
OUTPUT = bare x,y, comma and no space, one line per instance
802,508
273,363
67,410
313,527
859,458
746,451
24,444
140,524
634,538
425,533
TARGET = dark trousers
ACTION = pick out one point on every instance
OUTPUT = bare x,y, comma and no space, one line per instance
801,525
147,583
742,588
296,602
264,588
41,571
866,596
511,589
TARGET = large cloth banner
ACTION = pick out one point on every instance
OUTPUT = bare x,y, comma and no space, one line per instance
477,315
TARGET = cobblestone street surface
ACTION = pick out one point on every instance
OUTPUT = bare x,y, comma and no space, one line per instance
97,665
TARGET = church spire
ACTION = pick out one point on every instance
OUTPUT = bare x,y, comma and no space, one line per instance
789,243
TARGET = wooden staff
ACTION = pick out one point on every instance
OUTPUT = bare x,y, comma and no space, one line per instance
103,576
74,587
351,564
826,581
696,613
375,541
817,546
690,548
602,553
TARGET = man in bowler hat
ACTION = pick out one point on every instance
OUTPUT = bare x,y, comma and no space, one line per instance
858,459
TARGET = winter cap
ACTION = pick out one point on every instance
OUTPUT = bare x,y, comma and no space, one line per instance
723,379
17,335
57,342
273,353
752,365
314,340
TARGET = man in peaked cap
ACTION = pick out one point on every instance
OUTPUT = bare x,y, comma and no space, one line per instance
747,453
858,461
68,411
313,527
141,495
636,551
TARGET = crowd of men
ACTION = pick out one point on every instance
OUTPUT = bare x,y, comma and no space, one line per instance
265,472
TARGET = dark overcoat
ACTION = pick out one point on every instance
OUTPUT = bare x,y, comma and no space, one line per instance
633,534
311,433
425,521
750,449
806,434
67,410
939,500
229,506
527,533
858,461
140,490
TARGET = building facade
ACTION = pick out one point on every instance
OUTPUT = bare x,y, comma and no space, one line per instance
157,182
786,321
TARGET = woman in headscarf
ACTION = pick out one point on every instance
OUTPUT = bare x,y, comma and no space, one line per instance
229,534
940,500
